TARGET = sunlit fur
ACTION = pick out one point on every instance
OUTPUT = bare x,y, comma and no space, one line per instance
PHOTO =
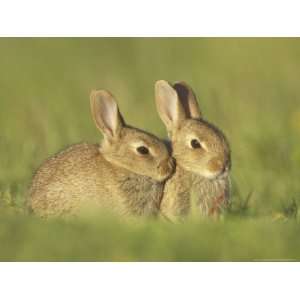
212,159
200,184
201,181
122,153
111,176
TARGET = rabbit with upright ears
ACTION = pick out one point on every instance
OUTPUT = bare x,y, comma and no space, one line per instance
201,181
124,174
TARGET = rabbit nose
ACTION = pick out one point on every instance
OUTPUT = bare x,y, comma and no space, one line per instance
167,165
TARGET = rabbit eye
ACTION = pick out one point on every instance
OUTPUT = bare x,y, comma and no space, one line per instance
195,144
142,150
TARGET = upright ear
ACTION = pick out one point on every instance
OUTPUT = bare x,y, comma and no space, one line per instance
106,113
168,105
188,100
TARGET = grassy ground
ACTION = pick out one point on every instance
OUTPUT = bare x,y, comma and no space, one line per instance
248,87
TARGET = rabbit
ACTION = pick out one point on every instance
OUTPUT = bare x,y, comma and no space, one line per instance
124,174
201,182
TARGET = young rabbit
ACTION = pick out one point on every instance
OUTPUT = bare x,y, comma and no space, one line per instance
124,174
201,151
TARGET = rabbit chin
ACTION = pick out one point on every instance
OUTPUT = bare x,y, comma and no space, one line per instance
159,176
203,172
208,174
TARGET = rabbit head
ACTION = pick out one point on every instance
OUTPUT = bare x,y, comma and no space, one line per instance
197,145
127,147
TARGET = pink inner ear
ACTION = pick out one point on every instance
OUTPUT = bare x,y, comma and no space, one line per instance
109,113
171,110
169,104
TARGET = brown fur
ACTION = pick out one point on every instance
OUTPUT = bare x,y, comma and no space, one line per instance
201,178
111,176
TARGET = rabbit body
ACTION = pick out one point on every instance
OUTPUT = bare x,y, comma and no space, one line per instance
79,176
125,174
201,181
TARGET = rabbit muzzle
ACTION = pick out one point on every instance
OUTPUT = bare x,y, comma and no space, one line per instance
166,168
216,168
225,169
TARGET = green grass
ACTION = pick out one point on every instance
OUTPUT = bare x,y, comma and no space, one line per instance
250,88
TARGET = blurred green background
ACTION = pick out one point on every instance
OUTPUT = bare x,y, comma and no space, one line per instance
250,88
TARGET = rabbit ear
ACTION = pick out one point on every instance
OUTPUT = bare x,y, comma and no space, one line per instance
106,113
188,100
168,105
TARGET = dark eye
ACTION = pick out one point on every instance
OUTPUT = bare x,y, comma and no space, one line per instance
142,150
195,144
